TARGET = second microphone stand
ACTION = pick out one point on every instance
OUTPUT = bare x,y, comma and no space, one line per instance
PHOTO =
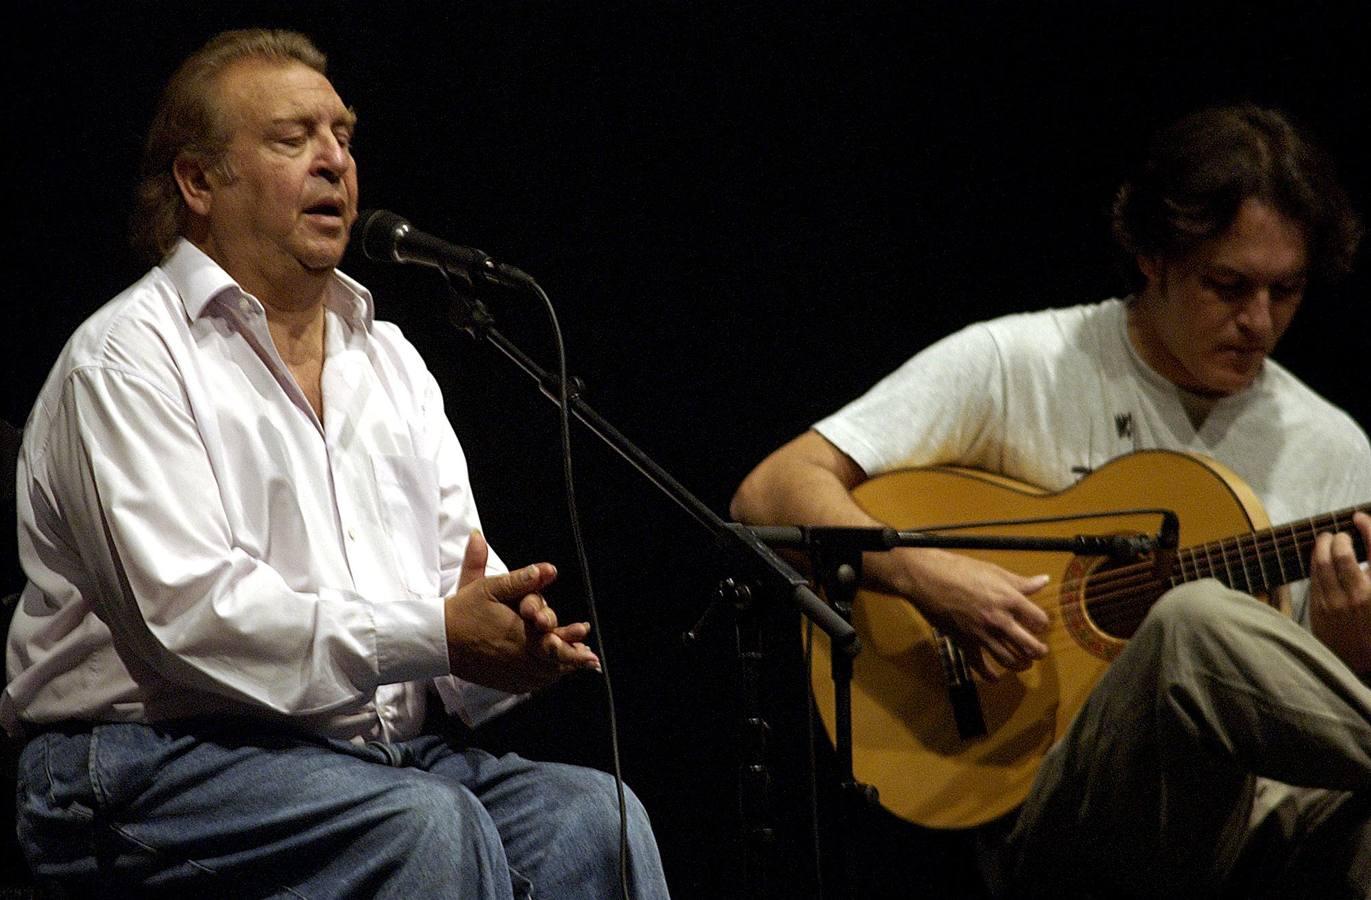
755,562
837,554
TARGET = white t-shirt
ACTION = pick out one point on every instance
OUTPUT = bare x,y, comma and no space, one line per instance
1044,397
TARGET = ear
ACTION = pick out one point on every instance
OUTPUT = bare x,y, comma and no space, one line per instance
193,180
1151,267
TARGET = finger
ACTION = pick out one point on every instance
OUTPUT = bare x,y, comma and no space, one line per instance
1321,565
1028,644
1351,578
511,588
1022,646
576,631
563,654
534,610
474,560
977,661
585,658
1005,655
1031,616
1363,523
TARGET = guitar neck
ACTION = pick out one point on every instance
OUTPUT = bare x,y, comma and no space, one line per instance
1260,561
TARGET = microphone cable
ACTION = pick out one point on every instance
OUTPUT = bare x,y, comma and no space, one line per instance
564,419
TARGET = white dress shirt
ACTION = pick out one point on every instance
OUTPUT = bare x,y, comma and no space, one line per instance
198,542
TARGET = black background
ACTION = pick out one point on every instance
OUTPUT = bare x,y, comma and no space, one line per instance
745,214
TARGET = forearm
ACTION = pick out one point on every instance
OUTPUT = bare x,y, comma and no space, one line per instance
809,482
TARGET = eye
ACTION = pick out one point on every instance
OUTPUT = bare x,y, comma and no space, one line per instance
1225,287
1287,293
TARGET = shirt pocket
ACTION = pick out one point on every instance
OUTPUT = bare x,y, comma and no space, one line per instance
407,492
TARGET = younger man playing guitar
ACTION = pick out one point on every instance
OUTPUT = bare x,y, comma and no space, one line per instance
1179,774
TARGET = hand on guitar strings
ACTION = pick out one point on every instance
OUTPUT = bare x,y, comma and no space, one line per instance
984,605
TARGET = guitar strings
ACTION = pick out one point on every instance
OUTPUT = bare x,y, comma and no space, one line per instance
1268,550
1131,589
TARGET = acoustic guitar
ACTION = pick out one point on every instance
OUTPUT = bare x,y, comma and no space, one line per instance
945,750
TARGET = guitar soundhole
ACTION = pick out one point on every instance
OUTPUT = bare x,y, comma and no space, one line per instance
1118,597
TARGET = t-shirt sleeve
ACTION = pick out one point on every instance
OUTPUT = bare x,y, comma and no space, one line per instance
935,408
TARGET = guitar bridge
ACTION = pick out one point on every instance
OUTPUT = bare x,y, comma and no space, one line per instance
961,689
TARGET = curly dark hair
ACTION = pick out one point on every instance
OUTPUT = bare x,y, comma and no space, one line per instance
1201,168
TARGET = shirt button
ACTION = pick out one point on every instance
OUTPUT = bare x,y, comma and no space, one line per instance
352,536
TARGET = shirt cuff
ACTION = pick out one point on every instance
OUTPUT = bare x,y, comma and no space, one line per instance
411,639
474,704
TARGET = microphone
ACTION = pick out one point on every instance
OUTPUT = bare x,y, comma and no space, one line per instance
386,237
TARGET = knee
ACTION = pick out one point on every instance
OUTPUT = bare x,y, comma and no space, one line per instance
1203,624
591,808
592,801
411,835
1191,610
435,816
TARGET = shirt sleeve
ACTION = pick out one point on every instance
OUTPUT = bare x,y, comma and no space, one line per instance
936,408
458,518
124,483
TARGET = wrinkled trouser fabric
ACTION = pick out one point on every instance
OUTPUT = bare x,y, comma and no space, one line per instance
1225,753
198,811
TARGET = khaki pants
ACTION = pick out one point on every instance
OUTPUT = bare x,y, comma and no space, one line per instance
1225,753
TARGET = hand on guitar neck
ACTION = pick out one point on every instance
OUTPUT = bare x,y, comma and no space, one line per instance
1340,595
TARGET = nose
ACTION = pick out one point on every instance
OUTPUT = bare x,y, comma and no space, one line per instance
1254,317
332,159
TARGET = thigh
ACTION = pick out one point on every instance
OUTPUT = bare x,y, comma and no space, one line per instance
531,803
1130,784
1160,762
175,809
560,824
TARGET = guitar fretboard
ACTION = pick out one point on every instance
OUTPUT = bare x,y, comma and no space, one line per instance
1261,560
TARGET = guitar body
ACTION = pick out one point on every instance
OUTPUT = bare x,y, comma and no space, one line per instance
905,740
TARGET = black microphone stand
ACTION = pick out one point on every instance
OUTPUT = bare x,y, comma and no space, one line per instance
837,555
757,562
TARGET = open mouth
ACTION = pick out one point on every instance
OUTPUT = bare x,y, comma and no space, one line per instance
326,209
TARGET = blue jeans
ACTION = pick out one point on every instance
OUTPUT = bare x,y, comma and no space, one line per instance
232,809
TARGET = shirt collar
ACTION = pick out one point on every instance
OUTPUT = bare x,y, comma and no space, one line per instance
199,280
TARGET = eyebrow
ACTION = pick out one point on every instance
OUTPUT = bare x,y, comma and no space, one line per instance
348,119
1230,269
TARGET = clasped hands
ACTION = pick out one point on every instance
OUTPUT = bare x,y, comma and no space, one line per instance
501,633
